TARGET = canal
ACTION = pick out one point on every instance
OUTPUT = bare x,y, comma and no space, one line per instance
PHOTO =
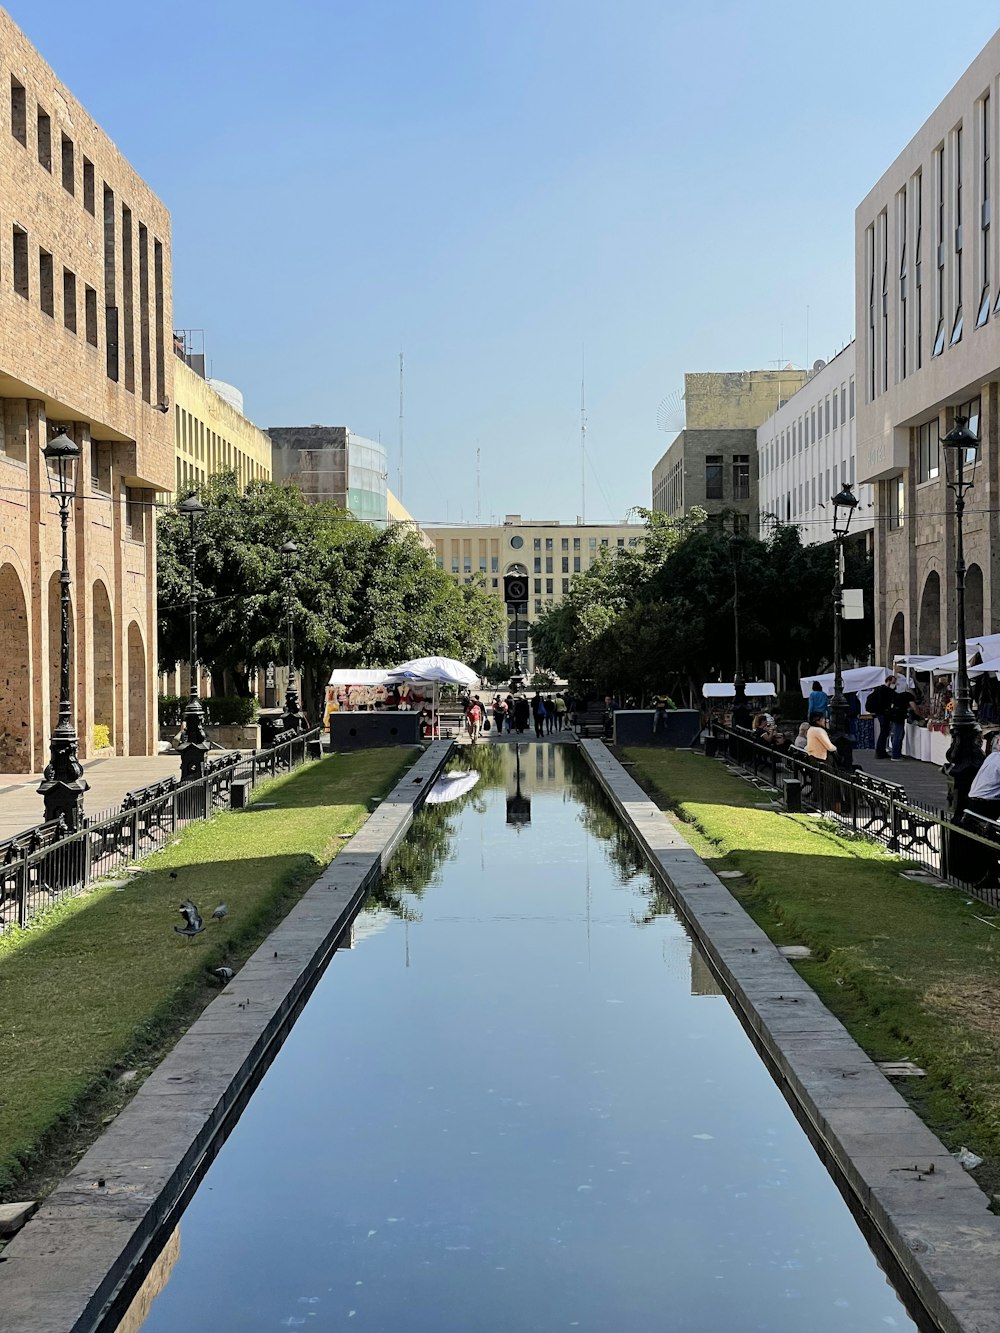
518,1103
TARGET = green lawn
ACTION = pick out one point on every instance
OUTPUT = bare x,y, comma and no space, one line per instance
102,983
910,969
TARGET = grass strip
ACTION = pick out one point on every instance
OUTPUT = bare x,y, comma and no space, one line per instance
911,970
102,983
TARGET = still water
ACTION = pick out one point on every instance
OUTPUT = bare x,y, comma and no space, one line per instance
519,1104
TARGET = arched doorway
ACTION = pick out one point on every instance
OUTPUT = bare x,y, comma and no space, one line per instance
897,638
15,676
103,682
929,624
973,601
55,657
136,691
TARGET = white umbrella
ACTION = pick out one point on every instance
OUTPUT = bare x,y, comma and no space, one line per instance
436,671
450,786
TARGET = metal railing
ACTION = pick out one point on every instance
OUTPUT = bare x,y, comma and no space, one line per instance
45,864
966,854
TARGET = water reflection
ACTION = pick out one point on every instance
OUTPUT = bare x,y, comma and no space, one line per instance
520,1104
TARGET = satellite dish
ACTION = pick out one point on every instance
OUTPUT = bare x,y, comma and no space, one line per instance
818,365
670,415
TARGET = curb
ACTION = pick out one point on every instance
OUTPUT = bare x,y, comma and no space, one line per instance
934,1221
87,1247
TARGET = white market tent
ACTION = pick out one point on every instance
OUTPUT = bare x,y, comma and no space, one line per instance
859,680
754,689
436,671
358,676
987,646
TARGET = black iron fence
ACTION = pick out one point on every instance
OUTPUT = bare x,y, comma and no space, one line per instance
44,864
966,854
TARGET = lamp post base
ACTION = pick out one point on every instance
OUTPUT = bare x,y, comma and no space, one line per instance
962,762
195,744
292,718
63,783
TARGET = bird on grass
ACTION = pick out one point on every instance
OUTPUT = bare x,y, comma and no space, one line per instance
220,913
173,874
192,916
225,974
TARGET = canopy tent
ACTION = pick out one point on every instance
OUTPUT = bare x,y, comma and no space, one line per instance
754,689
986,668
857,680
435,670
450,786
987,646
359,676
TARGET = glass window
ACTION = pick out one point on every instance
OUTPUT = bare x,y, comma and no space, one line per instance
852,399
576,564
939,339
576,543
564,544
604,541
494,564
565,585
593,543
565,564
548,585
517,541
538,585
713,477
548,543
741,476
538,564
467,564
538,543
538,606
895,502
548,564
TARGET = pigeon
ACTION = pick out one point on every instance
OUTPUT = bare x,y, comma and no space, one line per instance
220,912
192,916
225,974
173,874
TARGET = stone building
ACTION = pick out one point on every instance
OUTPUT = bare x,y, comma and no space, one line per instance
332,463
713,461
928,348
546,551
211,434
85,327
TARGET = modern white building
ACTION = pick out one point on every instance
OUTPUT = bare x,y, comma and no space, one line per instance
806,451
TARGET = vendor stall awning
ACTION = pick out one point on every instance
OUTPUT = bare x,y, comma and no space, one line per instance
755,689
360,676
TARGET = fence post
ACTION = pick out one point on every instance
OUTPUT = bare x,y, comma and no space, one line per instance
22,890
134,818
893,843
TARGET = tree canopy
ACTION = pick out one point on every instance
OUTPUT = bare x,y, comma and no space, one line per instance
661,616
360,595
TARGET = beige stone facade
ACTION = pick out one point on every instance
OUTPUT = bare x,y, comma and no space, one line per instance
85,345
713,462
928,346
547,552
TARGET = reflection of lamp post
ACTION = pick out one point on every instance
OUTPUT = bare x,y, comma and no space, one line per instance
292,717
518,806
195,743
63,783
844,506
964,754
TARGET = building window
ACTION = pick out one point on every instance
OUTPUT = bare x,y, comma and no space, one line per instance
592,543
538,585
88,186
741,524
467,564
538,606
884,240
548,564
621,541
565,564
548,543
110,286
741,476
100,466
128,307
713,477
548,586
18,112
984,216
956,328
870,278
538,564
928,460
68,164
895,502
44,139
565,585
564,544
538,543
902,222
576,564
46,292
69,300
21,262
918,271
939,334
576,543
517,541
134,514
970,411
852,398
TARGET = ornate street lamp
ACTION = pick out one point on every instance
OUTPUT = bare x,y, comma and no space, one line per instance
844,506
736,547
964,756
63,783
195,743
292,717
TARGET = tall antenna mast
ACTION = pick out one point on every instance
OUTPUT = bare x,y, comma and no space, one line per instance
583,436
399,486
479,513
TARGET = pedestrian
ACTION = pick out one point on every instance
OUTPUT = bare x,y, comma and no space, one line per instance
818,742
499,714
899,712
560,706
521,714
550,715
509,718
538,710
880,707
474,719
799,743
659,713
818,701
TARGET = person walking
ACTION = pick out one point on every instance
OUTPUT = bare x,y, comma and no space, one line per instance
560,706
538,709
474,719
550,715
509,709
880,706
899,710
521,714
499,714
818,701
818,742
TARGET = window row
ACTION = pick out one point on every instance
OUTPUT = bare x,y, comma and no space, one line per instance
813,426
714,477
37,271
45,147
817,490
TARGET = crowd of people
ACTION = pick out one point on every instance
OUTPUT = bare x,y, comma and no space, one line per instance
547,714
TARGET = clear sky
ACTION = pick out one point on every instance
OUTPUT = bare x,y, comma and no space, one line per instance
493,187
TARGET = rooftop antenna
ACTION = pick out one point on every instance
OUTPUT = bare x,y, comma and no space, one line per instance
400,474
583,435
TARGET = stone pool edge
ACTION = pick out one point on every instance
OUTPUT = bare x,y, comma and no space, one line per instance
930,1213
83,1248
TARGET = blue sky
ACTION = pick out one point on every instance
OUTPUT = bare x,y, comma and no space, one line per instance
491,188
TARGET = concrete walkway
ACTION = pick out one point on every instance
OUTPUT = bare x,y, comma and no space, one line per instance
110,780
924,783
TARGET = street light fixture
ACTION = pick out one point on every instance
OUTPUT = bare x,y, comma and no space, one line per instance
195,743
292,718
964,756
844,506
63,783
736,547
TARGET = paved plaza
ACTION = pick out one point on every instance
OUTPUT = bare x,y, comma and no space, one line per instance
924,783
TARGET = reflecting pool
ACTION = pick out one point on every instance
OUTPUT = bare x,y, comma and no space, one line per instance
519,1103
